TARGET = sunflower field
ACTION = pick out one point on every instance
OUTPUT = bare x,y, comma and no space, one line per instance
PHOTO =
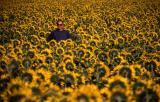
114,57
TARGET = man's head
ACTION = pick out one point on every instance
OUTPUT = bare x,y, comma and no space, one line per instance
60,24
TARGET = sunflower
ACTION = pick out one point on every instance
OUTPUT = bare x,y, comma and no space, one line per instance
42,34
91,93
59,51
124,71
69,45
34,40
147,95
150,66
113,53
101,71
67,91
27,63
69,80
67,57
46,52
119,96
93,43
118,83
26,47
31,54
27,77
80,53
14,68
4,83
56,79
63,43
47,74
137,70
115,62
103,57
2,49
48,59
69,65
52,43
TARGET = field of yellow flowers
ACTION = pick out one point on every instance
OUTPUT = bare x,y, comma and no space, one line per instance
115,55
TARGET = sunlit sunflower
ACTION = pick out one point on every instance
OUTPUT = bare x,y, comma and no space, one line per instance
87,93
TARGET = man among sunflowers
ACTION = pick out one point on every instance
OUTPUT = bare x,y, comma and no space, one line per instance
60,33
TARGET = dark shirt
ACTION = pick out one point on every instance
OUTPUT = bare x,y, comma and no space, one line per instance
59,35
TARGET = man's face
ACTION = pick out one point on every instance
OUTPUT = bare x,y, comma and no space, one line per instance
60,25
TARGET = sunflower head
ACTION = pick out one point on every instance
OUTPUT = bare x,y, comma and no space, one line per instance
102,57
4,82
68,80
118,97
80,53
113,53
17,97
150,66
36,91
42,34
117,84
59,51
27,77
55,79
14,68
34,40
27,63
129,58
52,43
3,64
26,47
138,87
125,72
31,54
116,61
147,95
69,66
49,60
